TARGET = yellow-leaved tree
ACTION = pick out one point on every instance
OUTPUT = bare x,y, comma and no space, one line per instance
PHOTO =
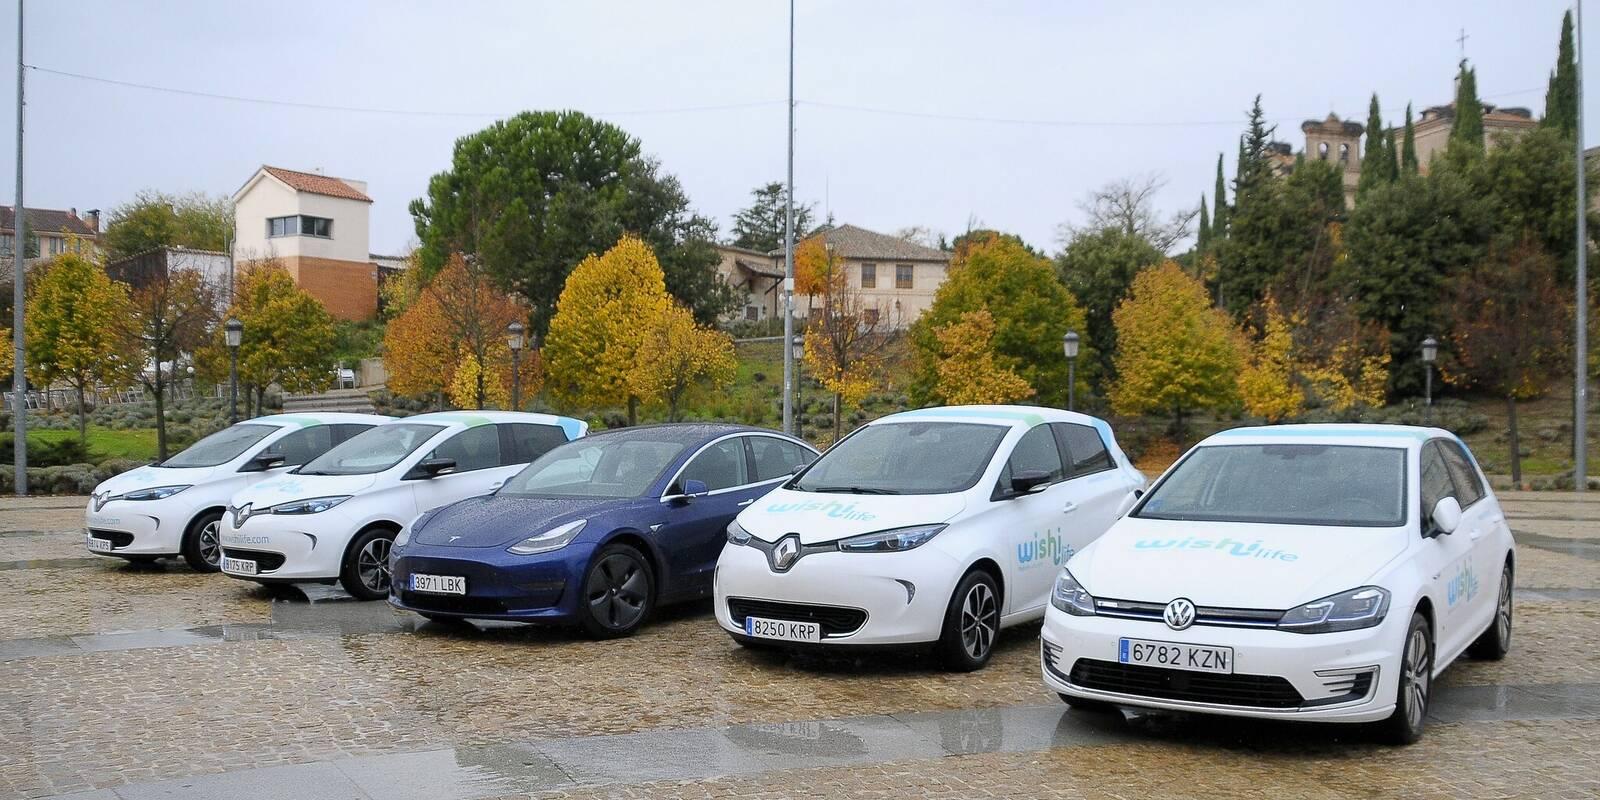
1268,383
968,372
678,354
286,341
606,311
8,354
1176,353
77,330
451,338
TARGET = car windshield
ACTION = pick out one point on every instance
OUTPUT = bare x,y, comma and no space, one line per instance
220,447
603,466
905,458
373,450
1292,484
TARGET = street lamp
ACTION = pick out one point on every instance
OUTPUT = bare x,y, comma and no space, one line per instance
514,341
235,335
1430,353
1069,345
797,351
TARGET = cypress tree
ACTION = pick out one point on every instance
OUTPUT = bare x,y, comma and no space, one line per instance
1203,238
1219,197
1373,169
1561,100
1391,164
1408,149
1468,125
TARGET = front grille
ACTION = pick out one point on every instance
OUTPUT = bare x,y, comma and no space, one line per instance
265,562
835,620
116,538
1218,616
1257,691
451,604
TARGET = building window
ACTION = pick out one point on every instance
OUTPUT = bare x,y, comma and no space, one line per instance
54,245
6,240
1344,154
1322,150
902,276
869,276
316,226
302,225
869,317
752,313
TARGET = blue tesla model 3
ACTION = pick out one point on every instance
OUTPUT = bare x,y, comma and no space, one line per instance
596,532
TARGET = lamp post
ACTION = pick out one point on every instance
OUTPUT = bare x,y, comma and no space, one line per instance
235,334
1069,345
514,341
1430,353
797,351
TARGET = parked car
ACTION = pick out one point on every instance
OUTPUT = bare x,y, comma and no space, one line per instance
938,526
598,532
174,507
334,518
1305,572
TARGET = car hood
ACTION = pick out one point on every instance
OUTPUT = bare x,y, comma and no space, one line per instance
148,477
822,518
1231,564
501,520
289,486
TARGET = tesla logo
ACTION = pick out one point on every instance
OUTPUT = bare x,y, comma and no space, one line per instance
787,551
240,514
1179,614
453,538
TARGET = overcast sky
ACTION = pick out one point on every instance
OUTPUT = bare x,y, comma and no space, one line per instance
978,93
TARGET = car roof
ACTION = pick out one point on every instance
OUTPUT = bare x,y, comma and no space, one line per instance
309,418
1010,416
688,432
1355,434
573,427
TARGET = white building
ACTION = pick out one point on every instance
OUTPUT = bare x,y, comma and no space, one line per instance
317,227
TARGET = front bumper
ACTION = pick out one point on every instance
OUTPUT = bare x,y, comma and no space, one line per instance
902,595
289,547
136,527
1350,676
500,585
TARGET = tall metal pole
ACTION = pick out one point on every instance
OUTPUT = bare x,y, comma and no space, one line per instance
19,257
1580,427
516,379
233,386
1072,384
789,242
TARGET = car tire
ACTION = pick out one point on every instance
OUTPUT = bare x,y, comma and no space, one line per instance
971,623
619,591
1085,704
202,545
365,573
1496,640
1415,688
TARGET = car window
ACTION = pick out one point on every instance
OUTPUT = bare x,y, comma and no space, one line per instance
344,432
220,447
528,441
1436,484
775,458
1290,483
622,464
474,448
721,465
302,445
1084,448
905,458
1036,451
374,450
1469,489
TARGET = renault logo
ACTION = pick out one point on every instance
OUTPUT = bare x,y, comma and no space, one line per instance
240,514
100,500
786,552
1179,614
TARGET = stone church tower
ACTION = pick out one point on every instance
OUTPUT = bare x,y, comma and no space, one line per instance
1336,140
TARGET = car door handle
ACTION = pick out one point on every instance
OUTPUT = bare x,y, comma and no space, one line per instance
1475,534
747,502
1069,507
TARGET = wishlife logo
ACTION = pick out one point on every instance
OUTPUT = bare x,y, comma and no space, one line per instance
1224,545
1048,548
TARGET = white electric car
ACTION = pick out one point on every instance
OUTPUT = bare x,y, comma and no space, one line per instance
173,507
1304,572
938,526
335,518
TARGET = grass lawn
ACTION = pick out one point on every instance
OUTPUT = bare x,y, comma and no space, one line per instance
1544,428
138,444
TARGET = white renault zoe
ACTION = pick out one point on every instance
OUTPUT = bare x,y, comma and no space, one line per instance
174,507
1304,572
938,526
335,518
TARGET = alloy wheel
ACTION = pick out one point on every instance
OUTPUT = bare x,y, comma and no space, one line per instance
1417,674
979,620
210,548
618,591
372,564
1502,616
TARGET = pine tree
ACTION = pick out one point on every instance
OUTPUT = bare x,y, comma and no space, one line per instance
1254,169
1408,150
1468,126
1561,101
1203,238
1219,199
1373,169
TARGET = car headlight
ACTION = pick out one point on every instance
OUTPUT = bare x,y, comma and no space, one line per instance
1070,596
737,534
553,539
314,505
404,536
155,492
891,541
1346,611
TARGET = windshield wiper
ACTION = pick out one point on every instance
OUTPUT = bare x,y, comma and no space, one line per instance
850,490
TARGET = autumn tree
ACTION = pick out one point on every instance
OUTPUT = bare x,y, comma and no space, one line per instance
451,340
286,340
1268,383
678,354
416,354
1511,330
607,309
172,314
969,371
1098,266
157,219
845,342
1175,352
77,330
8,353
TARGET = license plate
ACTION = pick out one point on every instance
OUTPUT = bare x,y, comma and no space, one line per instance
99,545
1174,655
238,566
783,630
438,584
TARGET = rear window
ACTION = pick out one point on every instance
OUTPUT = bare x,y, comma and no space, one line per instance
1085,447
220,447
1295,484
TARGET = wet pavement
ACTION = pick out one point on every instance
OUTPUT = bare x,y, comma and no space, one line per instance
122,682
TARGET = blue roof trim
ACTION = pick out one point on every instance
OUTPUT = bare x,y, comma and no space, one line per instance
572,427
1293,432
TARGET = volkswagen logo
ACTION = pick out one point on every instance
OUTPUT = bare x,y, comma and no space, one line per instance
786,552
1179,614
240,514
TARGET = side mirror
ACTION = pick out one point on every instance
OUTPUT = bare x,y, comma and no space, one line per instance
798,468
1028,481
685,492
433,467
1129,500
262,462
1446,516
